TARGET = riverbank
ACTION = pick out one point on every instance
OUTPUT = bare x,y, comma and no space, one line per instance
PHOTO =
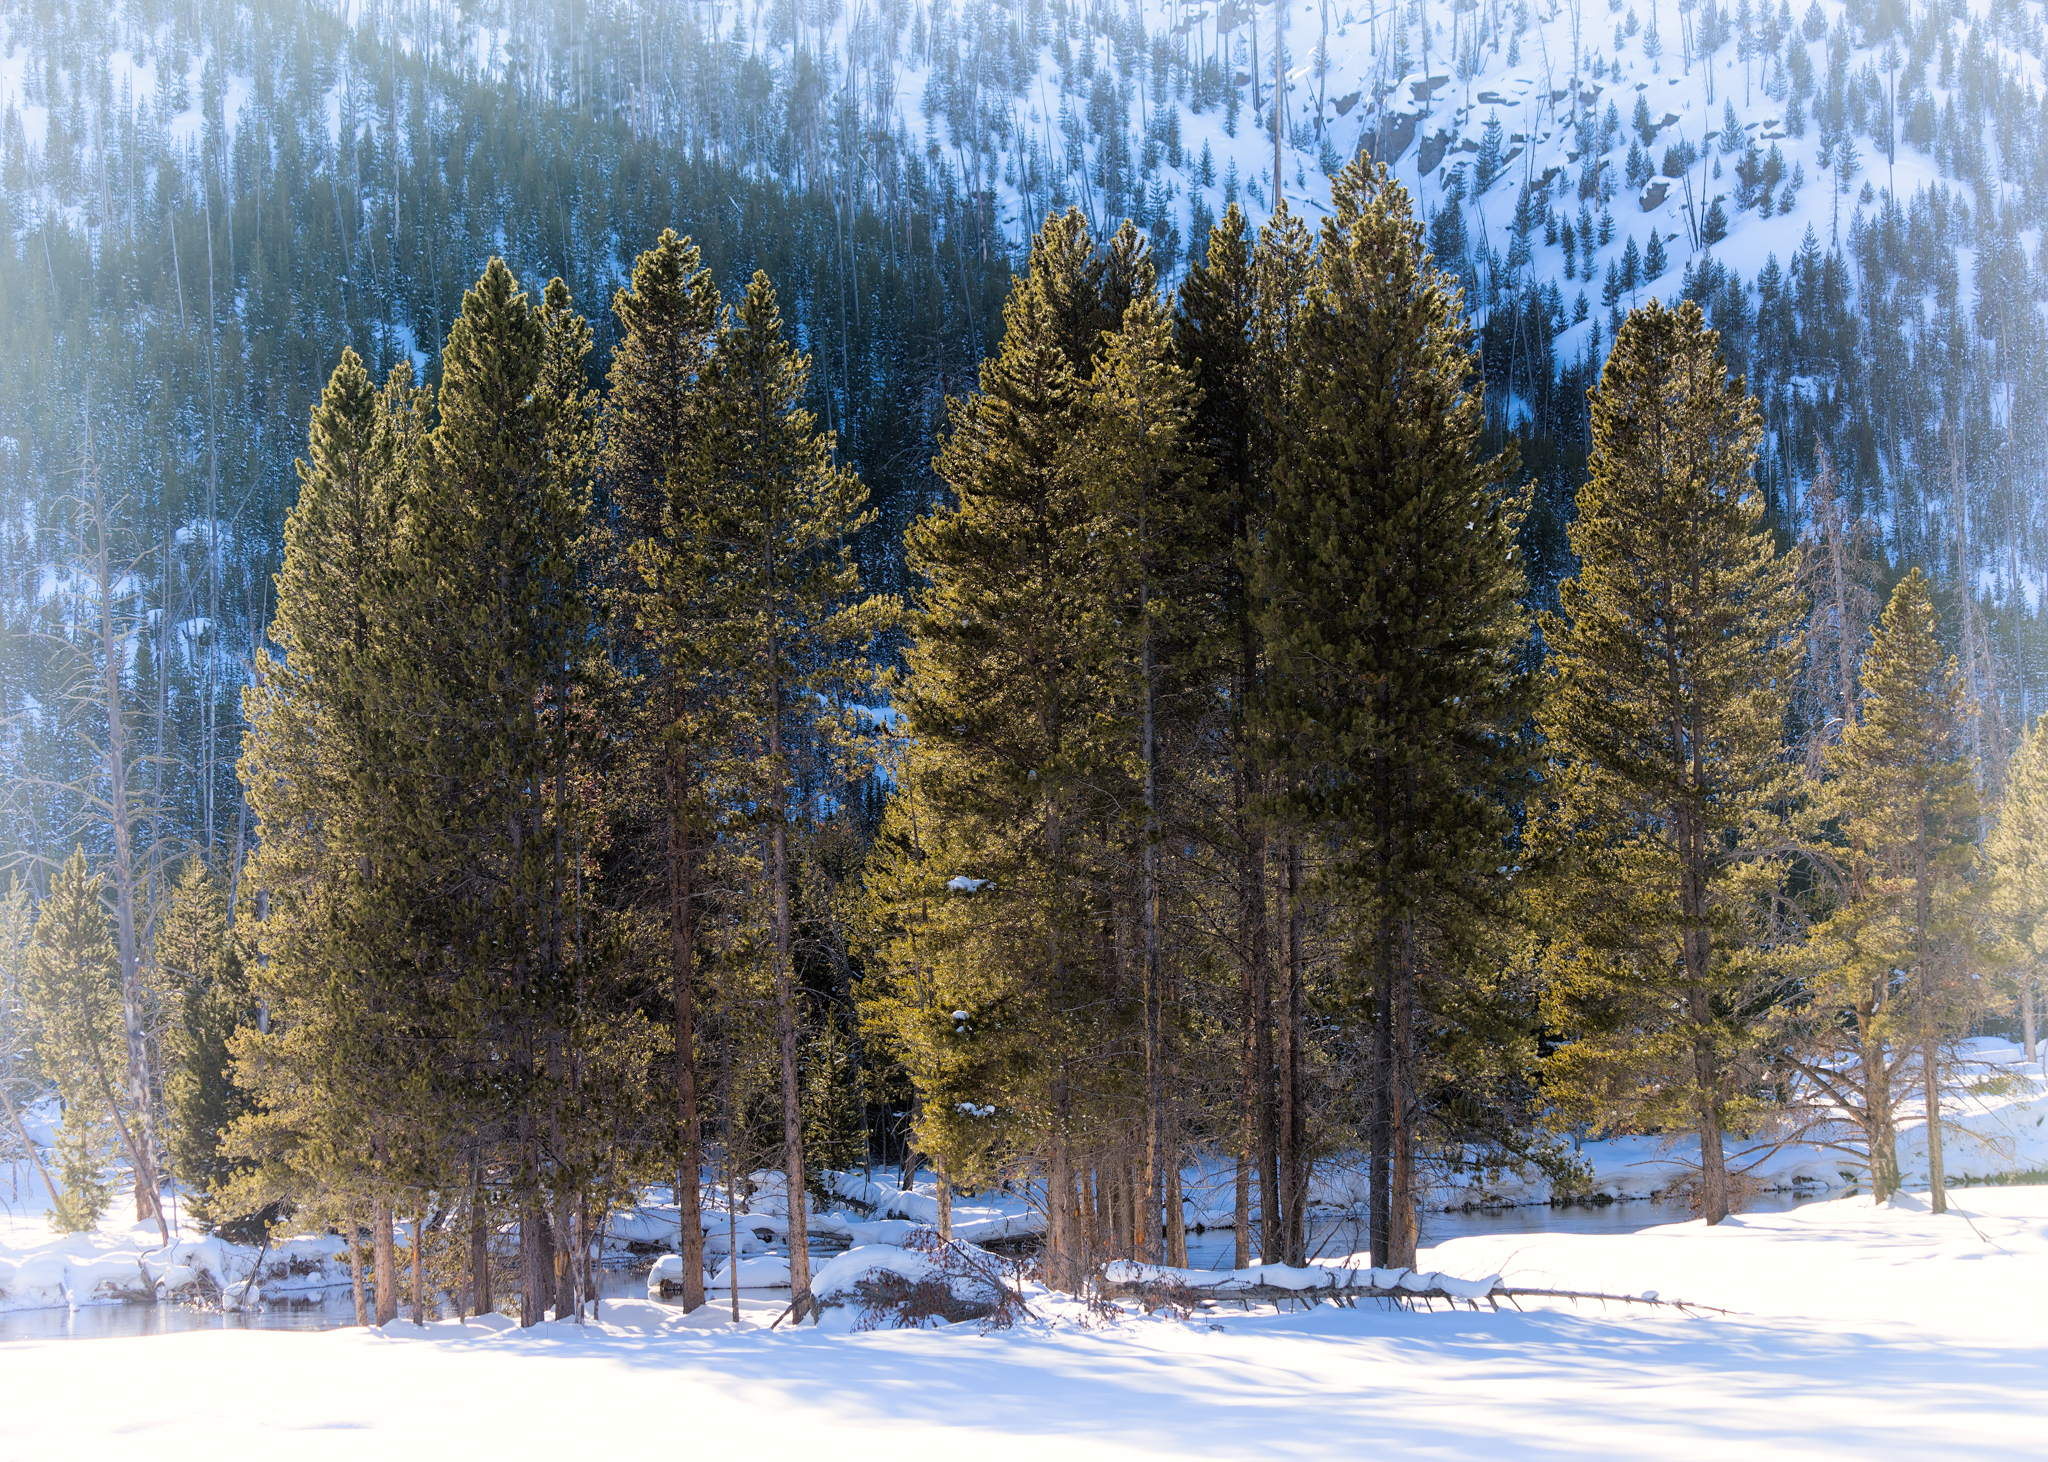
1860,1332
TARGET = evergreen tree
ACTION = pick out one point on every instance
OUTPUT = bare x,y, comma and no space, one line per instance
73,996
667,316
330,862
788,634
1901,790
1137,457
1389,605
1671,660
201,966
2018,854
1002,690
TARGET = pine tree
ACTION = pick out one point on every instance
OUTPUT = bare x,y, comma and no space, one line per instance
769,517
1389,606
1903,794
667,316
1002,691
1671,659
73,995
1157,575
201,966
2018,854
329,866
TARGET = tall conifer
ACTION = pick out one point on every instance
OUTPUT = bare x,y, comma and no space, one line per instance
1901,789
1671,660
668,316
787,634
1389,603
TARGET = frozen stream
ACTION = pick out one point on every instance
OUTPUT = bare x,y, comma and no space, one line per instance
1212,1249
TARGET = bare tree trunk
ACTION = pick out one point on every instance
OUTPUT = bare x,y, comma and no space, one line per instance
2029,1018
945,1199
1060,1244
1930,1043
1401,1196
785,996
479,1248
1294,1112
683,955
1154,1183
419,1267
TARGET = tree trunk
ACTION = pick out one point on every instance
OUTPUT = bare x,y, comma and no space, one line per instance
1060,1239
419,1268
1697,951
1153,1196
2029,1019
1878,1134
1379,1159
355,1268
479,1250
384,1260
792,1091
1293,1117
945,1199
1401,1196
682,955
1266,1109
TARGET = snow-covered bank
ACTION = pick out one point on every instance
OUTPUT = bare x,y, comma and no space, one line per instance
1866,1333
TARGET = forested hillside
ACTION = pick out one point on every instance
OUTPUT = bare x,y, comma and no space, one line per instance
999,608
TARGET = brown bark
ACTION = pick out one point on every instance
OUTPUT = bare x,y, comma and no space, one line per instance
682,956
1061,1240
355,1268
419,1268
479,1253
384,1260
1293,1159
1401,1196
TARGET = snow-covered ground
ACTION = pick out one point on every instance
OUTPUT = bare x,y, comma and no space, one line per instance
1860,1333
1996,1111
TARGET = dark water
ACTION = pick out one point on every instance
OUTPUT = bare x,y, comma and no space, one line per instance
1211,1250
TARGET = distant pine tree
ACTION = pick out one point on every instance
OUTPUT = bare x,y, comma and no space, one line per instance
72,994
201,966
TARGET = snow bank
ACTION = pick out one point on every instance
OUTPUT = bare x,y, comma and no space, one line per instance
1864,1333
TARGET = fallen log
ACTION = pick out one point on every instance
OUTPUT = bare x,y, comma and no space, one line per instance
1284,1286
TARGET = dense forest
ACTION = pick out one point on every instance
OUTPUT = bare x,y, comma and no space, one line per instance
788,643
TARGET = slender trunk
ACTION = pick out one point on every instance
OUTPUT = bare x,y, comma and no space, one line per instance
419,1268
479,1245
355,1269
792,1094
945,1200
1401,1196
35,1156
141,1136
1930,1043
682,955
2029,1019
1294,1164
1697,951
1154,1184
1176,1215
1061,1269
1265,1107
